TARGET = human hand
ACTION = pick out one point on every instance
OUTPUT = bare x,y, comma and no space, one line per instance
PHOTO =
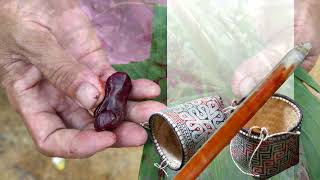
52,68
306,28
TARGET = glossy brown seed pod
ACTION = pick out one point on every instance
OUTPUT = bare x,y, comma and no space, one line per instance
112,111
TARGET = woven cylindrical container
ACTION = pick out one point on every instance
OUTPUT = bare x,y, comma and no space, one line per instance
265,155
178,132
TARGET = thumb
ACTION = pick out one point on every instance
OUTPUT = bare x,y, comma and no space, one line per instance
61,69
253,70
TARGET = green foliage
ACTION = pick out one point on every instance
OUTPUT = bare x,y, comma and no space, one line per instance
155,69
303,76
311,121
222,167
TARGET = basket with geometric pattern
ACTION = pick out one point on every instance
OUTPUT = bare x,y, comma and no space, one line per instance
269,143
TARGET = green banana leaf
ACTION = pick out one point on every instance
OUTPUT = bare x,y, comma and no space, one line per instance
222,167
155,69
311,121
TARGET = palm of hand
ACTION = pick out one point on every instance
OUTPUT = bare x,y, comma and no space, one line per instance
42,85
59,126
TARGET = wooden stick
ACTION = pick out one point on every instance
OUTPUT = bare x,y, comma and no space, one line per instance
244,113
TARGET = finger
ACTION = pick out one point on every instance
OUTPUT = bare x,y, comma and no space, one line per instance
73,115
78,118
309,62
53,139
306,29
71,143
243,80
19,74
61,69
252,71
144,89
46,128
80,39
130,135
141,111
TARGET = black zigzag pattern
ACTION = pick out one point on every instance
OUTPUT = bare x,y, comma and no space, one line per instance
272,157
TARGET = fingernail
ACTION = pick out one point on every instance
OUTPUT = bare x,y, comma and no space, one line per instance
87,95
247,86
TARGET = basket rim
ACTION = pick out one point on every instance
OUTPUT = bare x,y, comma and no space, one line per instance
296,128
158,148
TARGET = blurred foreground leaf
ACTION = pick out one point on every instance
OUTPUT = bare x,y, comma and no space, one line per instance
311,121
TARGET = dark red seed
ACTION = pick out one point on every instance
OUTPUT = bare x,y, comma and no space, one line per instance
112,111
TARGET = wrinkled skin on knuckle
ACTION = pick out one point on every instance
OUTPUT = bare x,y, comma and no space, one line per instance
17,73
12,69
60,74
20,34
80,34
42,148
73,152
4,78
67,76
32,40
8,26
21,38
